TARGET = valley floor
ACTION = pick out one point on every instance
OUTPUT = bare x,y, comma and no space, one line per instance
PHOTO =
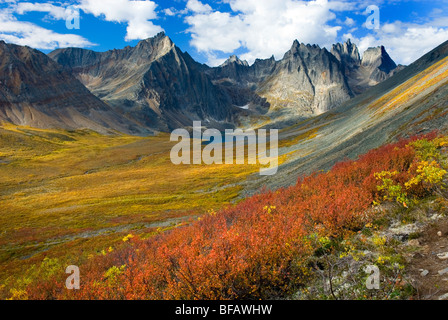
131,223
69,195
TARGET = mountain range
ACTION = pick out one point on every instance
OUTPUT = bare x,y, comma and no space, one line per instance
155,86
117,205
36,91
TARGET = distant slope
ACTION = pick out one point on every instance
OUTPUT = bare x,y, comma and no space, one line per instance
36,92
414,101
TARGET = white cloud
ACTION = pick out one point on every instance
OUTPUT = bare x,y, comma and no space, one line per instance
136,14
349,22
170,12
260,28
404,42
55,12
28,34
390,28
263,27
198,7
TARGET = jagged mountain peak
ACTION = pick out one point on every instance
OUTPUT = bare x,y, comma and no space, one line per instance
156,75
295,48
153,48
295,44
379,58
159,40
161,36
346,52
38,92
271,59
235,60
155,82
304,50
350,45
144,52
374,67
17,59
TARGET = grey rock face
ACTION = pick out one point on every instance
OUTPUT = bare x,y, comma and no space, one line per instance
312,75
348,54
36,91
375,66
154,82
378,58
158,85
378,62
234,59
307,81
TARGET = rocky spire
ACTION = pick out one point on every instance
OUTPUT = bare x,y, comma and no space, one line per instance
235,60
378,58
347,53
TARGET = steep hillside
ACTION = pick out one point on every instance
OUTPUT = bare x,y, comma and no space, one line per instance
35,91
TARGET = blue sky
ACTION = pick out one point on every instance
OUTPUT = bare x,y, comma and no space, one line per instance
211,31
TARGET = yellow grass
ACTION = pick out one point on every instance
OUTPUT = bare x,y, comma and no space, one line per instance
434,76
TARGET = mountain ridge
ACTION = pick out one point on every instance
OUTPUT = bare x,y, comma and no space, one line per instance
155,86
307,81
36,91
306,67
155,81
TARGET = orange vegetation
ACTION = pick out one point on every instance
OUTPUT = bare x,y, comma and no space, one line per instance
257,249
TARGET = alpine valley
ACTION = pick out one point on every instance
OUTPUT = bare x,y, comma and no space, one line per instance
86,177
